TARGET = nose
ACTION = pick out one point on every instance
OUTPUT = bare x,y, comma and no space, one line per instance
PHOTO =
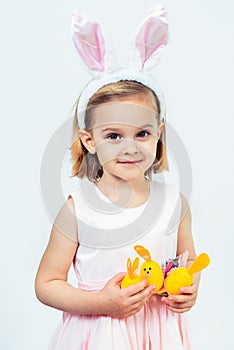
130,147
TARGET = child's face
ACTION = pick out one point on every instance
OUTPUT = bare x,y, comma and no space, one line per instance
125,136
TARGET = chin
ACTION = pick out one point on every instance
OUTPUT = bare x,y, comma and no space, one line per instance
131,177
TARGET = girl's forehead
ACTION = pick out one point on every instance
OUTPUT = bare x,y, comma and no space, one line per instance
129,113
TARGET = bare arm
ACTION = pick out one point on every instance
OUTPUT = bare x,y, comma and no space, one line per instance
51,284
187,299
185,238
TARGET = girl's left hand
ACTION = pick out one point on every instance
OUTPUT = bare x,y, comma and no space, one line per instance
182,302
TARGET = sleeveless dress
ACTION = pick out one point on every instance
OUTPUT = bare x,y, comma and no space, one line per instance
107,235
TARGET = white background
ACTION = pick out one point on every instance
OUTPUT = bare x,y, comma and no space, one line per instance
41,78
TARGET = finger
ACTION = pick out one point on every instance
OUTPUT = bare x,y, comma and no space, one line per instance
181,299
136,288
134,308
138,300
179,303
142,296
187,302
181,306
118,278
189,290
179,311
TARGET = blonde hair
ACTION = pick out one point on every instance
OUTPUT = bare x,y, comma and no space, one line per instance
85,164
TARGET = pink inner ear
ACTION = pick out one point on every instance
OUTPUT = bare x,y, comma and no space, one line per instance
152,36
146,257
89,42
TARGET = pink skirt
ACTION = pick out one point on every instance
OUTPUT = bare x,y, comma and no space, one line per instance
154,327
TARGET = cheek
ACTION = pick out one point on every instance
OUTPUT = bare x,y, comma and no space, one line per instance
106,152
150,149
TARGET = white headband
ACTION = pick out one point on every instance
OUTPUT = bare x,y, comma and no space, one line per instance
88,38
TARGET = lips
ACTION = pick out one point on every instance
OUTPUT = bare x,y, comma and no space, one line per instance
129,162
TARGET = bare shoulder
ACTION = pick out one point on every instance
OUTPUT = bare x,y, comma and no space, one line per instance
185,238
66,222
61,248
185,209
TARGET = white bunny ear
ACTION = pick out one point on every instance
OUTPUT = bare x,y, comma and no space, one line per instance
152,36
89,42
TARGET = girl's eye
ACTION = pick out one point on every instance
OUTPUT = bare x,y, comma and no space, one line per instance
114,136
143,133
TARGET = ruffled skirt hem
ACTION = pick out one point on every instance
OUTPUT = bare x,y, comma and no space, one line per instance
154,327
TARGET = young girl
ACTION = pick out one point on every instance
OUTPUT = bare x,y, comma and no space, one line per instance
118,142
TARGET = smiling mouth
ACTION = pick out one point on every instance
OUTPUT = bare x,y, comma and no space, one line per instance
129,162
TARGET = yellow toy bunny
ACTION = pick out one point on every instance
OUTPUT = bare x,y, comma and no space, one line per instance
150,269
183,277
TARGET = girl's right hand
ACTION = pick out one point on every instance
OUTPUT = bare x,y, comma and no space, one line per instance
116,302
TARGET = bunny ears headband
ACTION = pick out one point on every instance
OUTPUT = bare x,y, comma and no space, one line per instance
91,46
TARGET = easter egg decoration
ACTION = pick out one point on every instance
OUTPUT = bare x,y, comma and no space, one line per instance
150,269
183,277
131,278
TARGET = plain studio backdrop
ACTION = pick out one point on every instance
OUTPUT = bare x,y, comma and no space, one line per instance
41,78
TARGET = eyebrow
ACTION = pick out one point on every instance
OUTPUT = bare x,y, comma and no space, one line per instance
119,128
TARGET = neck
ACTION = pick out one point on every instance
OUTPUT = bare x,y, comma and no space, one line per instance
124,193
